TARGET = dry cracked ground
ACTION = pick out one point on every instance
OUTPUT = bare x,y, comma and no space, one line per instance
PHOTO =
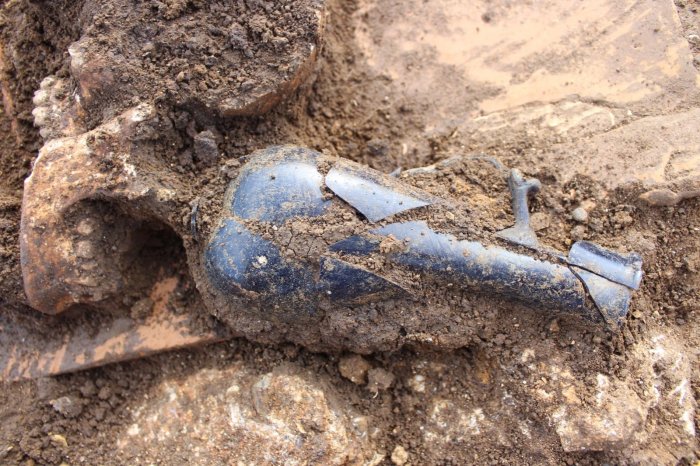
599,99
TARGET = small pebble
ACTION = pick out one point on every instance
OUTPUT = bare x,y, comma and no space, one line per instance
399,456
84,250
59,439
206,150
661,197
67,406
417,383
379,379
354,368
579,214
85,227
554,326
539,221
623,219
578,233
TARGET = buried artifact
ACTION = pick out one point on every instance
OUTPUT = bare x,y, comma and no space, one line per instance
124,255
283,184
306,248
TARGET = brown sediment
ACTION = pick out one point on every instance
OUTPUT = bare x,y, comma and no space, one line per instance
508,360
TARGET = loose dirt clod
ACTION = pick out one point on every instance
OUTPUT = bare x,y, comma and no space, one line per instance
206,149
399,456
354,368
579,214
229,58
68,406
379,379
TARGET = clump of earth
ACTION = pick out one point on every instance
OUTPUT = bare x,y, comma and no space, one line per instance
526,386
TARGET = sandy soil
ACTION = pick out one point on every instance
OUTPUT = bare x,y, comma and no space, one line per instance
397,84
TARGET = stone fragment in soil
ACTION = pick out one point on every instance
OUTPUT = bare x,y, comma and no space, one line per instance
379,379
579,214
67,406
399,456
417,383
578,233
453,424
206,149
279,417
606,412
611,160
617,421
354,368
539,221
666,197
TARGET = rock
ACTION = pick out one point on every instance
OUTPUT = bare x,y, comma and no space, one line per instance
455,424
554,326
580,215
666,376
451,422
105,393
354,368
622,219
235,416
58,439
660,197
539,221
379,379
615,422
67,406
206,149
399,456
666,197
610,412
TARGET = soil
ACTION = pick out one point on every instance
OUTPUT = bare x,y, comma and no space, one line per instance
343,111
245,52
